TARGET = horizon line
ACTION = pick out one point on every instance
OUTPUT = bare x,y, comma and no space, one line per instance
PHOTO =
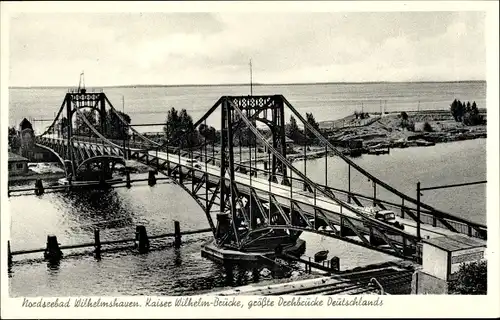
240,84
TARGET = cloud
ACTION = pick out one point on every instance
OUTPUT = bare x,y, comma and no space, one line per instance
180,48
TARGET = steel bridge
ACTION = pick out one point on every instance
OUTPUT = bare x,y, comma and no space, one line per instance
249,208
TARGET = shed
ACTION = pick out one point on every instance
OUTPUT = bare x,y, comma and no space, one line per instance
18,165
442,256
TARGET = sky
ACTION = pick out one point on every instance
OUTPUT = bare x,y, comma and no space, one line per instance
52,49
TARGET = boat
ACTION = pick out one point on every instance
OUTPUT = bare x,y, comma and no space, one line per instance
321,255
378,150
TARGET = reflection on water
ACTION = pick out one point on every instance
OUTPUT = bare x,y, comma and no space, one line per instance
53,266
165,270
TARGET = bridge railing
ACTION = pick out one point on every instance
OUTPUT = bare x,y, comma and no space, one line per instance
403,210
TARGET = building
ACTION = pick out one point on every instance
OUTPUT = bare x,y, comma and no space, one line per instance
441,259
17,165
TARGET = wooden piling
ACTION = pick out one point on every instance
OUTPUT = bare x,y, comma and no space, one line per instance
9,253
177,236
141,237
39,189
97,239
128,179
52,251
335,263
151,178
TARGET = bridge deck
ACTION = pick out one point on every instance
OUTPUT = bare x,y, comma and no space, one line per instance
282,193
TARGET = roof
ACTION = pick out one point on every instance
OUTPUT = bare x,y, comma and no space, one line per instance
16,158
25,124
455,242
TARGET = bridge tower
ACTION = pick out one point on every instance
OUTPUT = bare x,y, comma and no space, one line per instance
269,111
74,101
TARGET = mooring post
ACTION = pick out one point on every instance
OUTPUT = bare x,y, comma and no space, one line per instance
418,211
128,179
97,243
335,263
349,184
151,178
177,231
52,251
39,189
9,253
402,208
141,237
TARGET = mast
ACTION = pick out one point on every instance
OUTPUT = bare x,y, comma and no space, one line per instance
81,82
251,80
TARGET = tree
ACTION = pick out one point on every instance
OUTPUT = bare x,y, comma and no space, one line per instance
310,119
209,133
471,278
292,131
457,109
404,116
427,127
179,129
81,127
472,116
14,139
115,128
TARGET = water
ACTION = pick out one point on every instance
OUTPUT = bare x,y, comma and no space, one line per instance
325,101
169,271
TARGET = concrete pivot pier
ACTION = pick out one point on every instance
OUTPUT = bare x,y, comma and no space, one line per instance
210,251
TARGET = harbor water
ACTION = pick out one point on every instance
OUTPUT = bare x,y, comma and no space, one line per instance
169,271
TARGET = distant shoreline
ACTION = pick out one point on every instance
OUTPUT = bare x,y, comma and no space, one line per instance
244,84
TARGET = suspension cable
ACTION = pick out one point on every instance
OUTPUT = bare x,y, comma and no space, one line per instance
305,178
370,176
